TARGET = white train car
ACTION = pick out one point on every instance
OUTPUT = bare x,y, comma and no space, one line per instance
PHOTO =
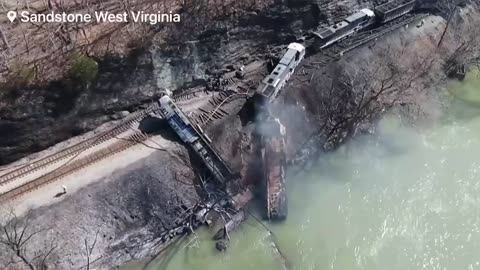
271,85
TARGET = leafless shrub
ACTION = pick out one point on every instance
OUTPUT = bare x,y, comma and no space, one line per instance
357,91
17,235
461,41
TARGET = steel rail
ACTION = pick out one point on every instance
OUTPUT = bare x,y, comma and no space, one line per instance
76,165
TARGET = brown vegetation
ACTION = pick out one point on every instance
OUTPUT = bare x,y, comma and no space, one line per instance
45,47
358,90
358,93
460,41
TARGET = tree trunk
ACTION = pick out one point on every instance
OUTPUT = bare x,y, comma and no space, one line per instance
24,259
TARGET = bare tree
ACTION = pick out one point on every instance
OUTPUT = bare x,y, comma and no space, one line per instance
16,235
461,43
357,91
4,38
89,250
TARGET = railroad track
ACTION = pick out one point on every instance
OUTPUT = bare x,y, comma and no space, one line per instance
205,118
189,94
185,95
73,166
72,151
335,51
358,43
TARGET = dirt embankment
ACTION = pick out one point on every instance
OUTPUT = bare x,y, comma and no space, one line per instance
119,218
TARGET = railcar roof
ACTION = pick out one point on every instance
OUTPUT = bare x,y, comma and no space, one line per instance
287,58
356,16
324,32
296,46
279,69
392,5
271,80
338,26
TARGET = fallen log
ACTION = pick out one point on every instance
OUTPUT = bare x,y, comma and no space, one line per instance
230,226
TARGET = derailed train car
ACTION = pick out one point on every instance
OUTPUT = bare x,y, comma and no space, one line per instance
194,136
274,164
271,85
362,19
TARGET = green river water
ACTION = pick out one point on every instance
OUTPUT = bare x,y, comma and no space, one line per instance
404,199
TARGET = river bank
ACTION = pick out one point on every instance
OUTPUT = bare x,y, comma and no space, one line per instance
402,198
323,185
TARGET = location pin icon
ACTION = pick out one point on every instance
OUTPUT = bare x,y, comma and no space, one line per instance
12,15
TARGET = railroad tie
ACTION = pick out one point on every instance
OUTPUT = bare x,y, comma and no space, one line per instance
224,112
207,118
194,120
137,137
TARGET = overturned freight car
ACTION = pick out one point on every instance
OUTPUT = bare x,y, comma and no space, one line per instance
274,162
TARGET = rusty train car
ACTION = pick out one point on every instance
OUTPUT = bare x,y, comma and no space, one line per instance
274,164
